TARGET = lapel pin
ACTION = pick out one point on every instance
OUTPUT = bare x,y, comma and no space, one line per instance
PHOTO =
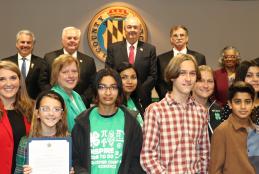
80,61
32,65
141,49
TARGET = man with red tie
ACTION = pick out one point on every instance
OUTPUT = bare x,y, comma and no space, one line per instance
134,51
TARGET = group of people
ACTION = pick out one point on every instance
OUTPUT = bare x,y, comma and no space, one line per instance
205,120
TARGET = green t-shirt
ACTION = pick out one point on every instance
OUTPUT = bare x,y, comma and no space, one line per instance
106,142
131,105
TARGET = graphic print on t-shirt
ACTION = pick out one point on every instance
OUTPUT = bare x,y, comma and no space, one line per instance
106,142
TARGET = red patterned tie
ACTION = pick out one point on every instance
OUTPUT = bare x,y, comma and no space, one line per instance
131,55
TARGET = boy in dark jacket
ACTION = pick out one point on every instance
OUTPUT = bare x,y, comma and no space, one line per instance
107,138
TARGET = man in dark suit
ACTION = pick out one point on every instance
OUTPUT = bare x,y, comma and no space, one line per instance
31,66
70,41
179,37
141,54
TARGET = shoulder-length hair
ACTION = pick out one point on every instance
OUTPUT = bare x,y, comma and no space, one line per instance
59,63
61,126
172,71
22,101
242,69
114,74
137,94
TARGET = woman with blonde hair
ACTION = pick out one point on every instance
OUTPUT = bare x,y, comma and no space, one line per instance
202,92
15,114
64,78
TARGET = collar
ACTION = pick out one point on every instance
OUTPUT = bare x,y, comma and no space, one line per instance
74,54
28,57
239,123
135,44
170,100
183,51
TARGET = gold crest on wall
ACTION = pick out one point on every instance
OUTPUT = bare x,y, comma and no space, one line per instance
107,27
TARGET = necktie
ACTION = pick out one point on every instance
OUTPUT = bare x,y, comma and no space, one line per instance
131,55
23,69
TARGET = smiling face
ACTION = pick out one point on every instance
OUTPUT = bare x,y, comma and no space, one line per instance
252,77
204,87
68,77
71,40
241,105
230,58
129,80
24,44
183,84
50,113
9,84
132,29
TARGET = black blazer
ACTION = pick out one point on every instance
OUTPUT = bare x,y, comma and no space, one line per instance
87,74
145,63
35,79
162,61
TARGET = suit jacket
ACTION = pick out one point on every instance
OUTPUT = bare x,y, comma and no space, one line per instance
87,74
145,63
162,61
34,80
221,86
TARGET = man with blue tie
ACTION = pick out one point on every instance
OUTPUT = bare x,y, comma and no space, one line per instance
31,66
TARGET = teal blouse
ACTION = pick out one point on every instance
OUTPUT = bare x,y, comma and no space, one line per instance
131,105
72,110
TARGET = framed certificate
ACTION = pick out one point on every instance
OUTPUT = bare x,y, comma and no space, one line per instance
49,155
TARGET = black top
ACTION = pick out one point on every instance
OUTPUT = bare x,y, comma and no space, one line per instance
19,130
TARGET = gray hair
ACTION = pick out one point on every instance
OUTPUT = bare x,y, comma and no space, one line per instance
26,32
222,54
71,28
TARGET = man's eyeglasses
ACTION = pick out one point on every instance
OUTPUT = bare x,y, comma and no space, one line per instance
103,87
48,109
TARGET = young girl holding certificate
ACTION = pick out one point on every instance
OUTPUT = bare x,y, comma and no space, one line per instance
49,120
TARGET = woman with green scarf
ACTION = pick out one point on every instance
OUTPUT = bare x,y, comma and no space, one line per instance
64,78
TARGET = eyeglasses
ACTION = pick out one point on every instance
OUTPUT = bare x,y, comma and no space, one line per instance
103,87
230,56
48,109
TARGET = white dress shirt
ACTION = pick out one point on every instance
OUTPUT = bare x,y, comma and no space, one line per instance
135,48
27,61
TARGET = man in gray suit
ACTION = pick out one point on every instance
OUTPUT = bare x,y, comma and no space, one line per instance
179,37
71,37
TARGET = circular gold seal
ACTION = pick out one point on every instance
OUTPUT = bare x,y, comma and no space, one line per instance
107,27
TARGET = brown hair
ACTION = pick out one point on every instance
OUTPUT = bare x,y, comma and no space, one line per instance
22,102
178,27
172,70
59,63
61,126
